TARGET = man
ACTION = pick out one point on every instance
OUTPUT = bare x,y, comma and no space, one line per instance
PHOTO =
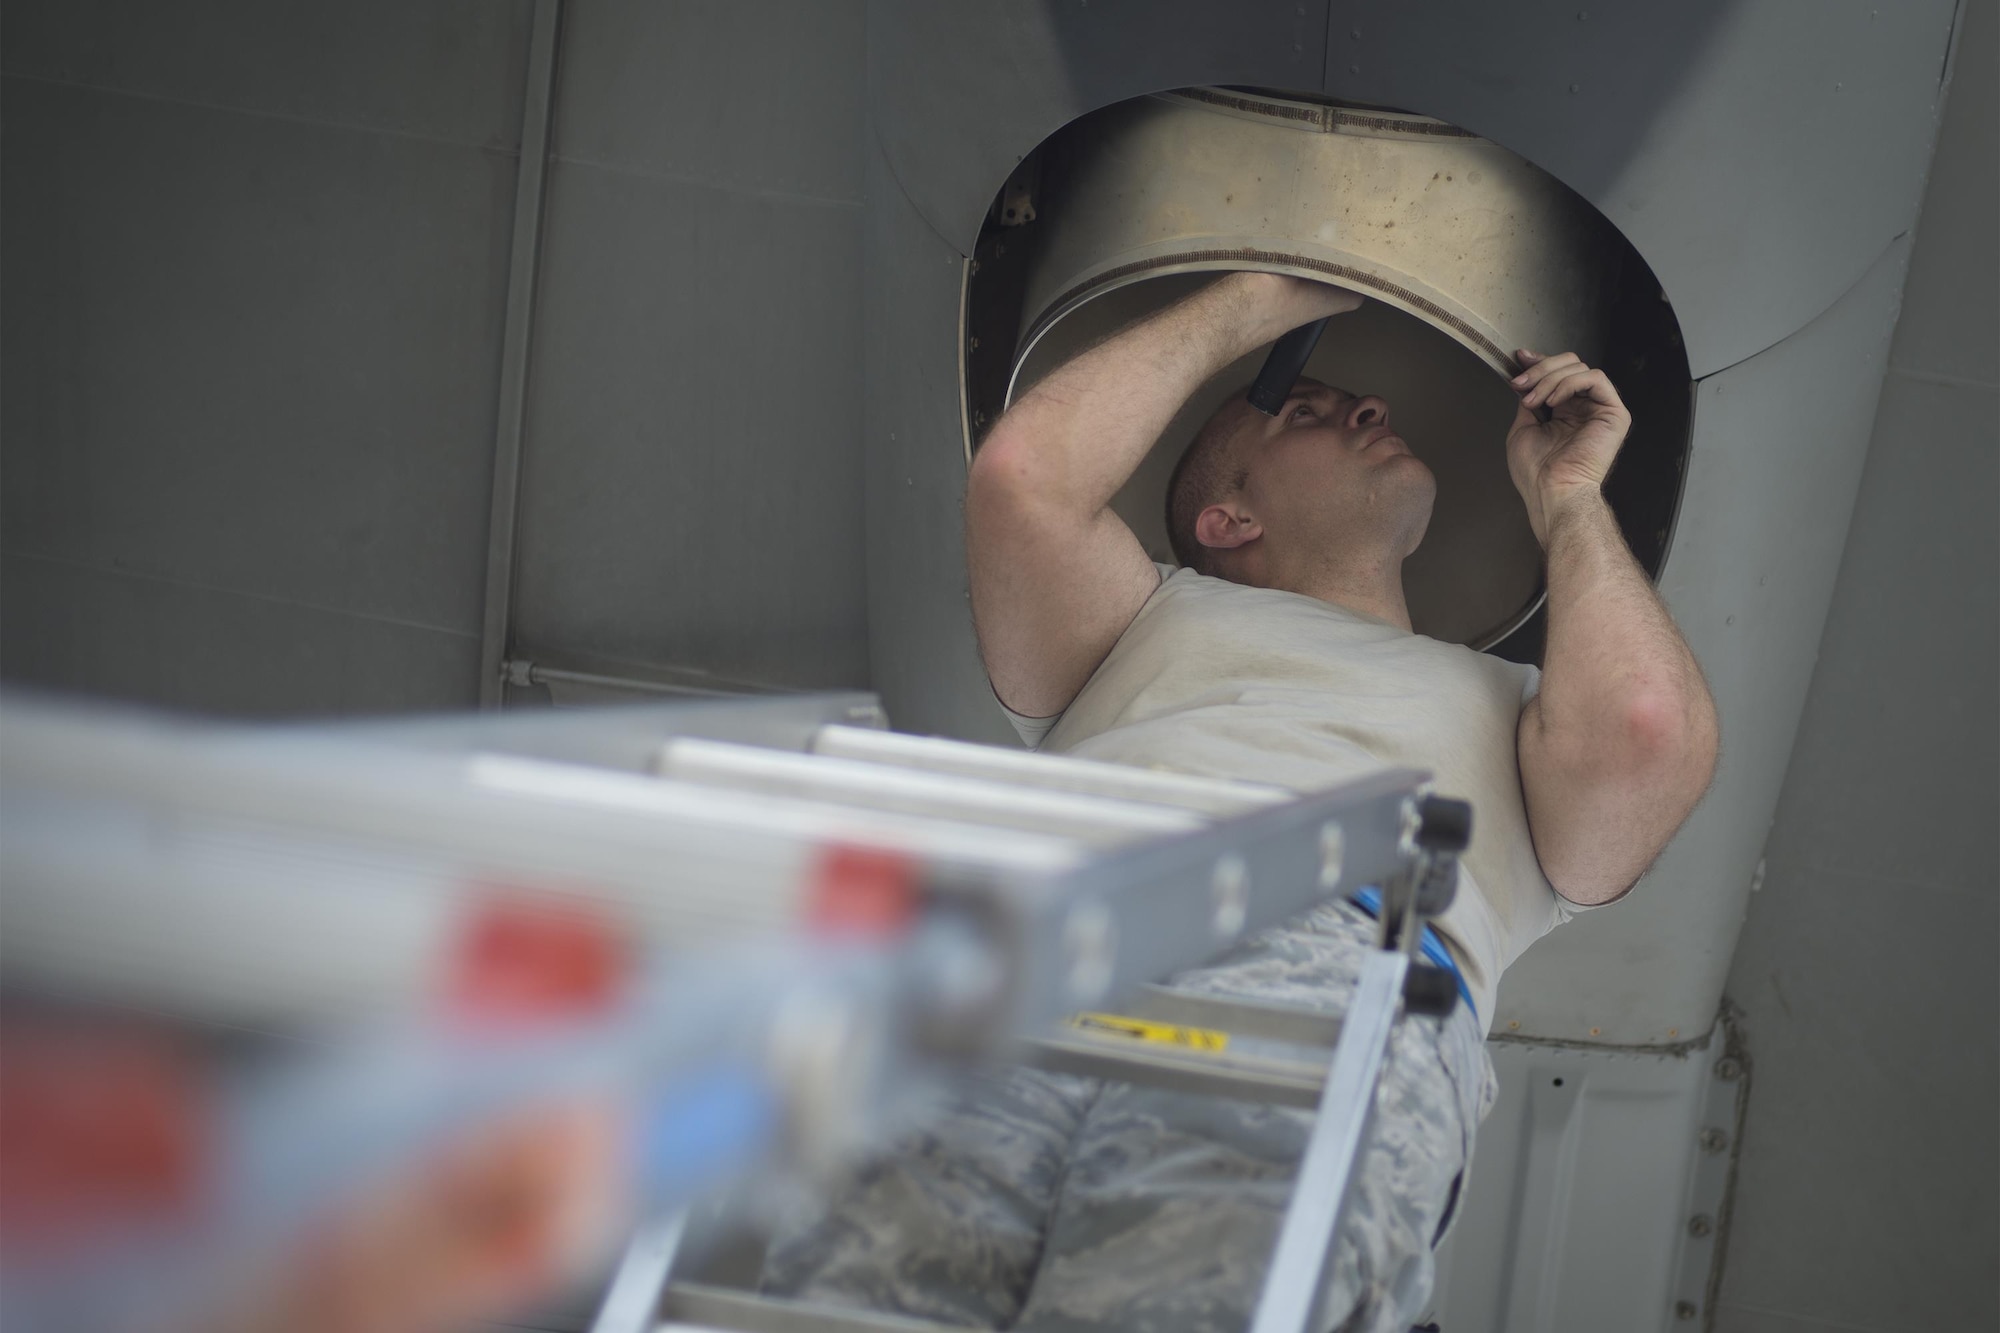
1280,651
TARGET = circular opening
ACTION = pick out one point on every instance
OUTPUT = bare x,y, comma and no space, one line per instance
1477,575
1463,248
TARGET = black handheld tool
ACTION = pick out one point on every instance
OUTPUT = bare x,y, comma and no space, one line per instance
1281,368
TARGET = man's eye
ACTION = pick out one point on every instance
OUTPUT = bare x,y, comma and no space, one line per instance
1303,410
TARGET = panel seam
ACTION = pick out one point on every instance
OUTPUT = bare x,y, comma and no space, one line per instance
196,585
1938,377
255,113
704,182
539,90
1821,313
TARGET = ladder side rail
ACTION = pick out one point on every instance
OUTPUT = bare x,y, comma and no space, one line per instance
632,1302
1294,1285
1092,935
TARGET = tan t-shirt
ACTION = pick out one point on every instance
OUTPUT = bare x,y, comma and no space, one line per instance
1222,680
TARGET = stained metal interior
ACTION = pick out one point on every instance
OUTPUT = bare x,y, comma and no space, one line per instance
1126,210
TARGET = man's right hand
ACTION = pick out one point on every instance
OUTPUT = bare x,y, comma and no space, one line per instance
1056,575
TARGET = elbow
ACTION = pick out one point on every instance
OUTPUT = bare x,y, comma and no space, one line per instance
999,483
1015,484
1005,474
1668,738
998,464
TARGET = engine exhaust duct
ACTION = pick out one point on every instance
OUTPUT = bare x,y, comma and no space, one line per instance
1466,250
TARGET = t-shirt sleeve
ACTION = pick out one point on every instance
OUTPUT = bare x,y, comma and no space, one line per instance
1569,911
1034,730
1531,685
1531,682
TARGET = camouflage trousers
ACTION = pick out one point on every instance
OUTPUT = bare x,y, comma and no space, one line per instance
1056,1204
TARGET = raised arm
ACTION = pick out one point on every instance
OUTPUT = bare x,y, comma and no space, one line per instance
1621,742
1056,575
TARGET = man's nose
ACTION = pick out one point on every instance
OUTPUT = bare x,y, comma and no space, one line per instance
1368,410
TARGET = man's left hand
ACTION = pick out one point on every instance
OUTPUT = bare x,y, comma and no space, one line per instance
1571,452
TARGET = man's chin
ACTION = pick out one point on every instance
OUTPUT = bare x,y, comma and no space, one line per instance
1419,484
1407,462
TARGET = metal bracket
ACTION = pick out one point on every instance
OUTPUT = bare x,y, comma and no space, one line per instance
1711,1191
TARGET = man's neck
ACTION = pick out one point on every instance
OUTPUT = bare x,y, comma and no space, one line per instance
1380,599
1372,588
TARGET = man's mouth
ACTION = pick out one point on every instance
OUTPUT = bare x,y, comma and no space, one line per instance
1379,435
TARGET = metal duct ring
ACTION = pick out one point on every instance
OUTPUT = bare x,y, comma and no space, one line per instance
1481,249
1430,218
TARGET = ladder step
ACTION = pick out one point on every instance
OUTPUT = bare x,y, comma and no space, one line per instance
1208,796
1095,820
1249,1078
692,1306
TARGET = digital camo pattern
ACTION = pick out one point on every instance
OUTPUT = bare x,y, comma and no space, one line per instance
1058,1204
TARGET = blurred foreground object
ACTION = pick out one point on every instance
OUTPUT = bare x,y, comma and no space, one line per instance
382,1024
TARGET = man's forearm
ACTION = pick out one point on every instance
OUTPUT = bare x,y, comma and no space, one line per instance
1624,718
1612,647
1079,434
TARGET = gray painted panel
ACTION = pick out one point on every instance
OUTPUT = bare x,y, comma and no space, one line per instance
1707,133
1867,1199
958,93
1951,321
1739,1319
753,96
445,69
691,490
1578,1193
1895,774
200,649
250,353
1778,445
1865,1191
1701,131
926,661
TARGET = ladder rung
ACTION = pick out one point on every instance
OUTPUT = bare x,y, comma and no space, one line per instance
1250,1078
1239,1018
878,786
1209,796
690,1305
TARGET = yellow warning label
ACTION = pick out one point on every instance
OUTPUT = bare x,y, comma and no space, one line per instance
1166,1034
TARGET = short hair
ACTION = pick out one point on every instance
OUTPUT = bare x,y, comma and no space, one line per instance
1210,469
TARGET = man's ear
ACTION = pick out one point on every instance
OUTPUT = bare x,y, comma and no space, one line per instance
1226,527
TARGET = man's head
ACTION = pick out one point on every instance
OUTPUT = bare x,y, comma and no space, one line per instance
1324,484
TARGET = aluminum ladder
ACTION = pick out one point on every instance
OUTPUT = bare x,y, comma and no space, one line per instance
921,902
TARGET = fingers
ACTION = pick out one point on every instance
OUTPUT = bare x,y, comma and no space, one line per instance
1591,385
1548,381
1559,386
1536,368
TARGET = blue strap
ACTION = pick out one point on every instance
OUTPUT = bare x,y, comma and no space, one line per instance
1369,899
